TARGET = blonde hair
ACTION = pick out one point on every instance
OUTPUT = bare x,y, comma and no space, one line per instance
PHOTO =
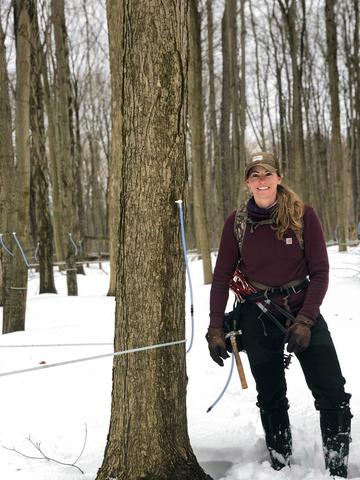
288,212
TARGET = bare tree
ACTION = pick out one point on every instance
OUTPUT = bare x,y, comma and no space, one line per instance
66,173
242,103
337,156
214,141
16,284
225,143
40,172
290,15
7,168
196,121
53,157
351,51
148,431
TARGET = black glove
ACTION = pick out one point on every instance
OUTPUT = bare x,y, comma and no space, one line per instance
217,345
298,335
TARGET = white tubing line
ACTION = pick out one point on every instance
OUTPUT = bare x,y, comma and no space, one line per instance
21,250
98,344
85,359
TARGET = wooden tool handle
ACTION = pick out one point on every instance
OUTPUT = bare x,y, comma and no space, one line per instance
239,365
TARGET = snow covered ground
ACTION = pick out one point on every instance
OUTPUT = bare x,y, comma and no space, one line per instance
57,409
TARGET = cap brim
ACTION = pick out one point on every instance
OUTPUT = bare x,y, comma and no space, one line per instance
260,163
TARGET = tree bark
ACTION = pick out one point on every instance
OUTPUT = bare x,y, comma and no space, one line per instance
54,159
218,207
352,62
16,287
281,97
7,169
337,158
235,174
79,178
258,76
97,210
148,429
242,105
225,146
297,135
356,151
67,185
115,17
40,173
196,121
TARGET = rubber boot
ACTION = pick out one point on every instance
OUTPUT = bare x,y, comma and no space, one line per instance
335,431
278,437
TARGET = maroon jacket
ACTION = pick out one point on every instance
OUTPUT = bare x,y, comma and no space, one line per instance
273,262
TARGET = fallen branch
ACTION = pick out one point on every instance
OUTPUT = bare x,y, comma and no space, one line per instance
37,446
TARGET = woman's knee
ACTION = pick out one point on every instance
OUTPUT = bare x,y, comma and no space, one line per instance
271,385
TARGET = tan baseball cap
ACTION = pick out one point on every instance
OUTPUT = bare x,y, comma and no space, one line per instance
261,159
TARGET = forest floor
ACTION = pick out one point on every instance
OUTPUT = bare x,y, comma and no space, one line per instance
61,410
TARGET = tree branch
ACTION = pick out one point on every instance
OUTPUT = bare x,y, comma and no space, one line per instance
37,446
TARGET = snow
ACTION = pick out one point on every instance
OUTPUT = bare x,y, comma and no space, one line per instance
68,407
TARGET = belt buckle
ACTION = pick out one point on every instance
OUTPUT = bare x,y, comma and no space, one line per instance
293,289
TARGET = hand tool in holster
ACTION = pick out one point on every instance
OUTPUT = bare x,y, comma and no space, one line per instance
232,336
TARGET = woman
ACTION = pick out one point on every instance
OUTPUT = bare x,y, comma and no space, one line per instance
283,250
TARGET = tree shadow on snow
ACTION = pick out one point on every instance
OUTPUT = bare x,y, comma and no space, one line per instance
354,471
216,469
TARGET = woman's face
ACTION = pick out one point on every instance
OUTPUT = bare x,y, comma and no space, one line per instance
263,184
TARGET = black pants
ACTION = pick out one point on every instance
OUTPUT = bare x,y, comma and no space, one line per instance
263,342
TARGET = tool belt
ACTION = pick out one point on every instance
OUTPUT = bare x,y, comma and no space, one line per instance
266,291
232,318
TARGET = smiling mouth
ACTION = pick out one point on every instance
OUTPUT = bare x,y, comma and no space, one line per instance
263,188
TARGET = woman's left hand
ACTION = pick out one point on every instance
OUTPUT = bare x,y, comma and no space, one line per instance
298,335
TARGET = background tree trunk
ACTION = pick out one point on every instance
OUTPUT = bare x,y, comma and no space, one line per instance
242,107
196,121
217,202
115,17
49,101
16,286
148,431
40,173
235,175
67,184
7,171
79,179
336,153
225,144
290,14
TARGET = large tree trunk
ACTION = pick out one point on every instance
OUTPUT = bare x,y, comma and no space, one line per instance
337,157
67,184
196,121
148,429
16,287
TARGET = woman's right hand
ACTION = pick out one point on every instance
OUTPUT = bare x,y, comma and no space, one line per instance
217,345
